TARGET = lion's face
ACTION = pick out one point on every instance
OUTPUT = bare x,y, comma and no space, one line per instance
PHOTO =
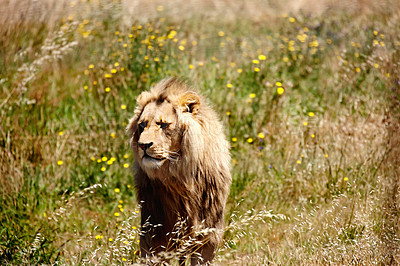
165,128
158,134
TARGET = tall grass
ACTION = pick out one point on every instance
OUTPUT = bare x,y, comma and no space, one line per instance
310,103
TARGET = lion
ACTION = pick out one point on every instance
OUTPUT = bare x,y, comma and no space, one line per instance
182,172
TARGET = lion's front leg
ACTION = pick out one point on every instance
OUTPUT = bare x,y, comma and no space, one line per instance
153,248
205,254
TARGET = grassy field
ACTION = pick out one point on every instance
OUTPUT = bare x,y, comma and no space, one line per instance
310,103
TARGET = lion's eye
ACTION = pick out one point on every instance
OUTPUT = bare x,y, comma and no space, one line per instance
142,126
164,125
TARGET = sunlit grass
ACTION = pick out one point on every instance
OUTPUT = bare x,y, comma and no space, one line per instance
310,105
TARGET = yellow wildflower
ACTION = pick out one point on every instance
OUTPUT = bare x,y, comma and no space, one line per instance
172,34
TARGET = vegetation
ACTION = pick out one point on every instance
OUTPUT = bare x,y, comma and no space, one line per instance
310,104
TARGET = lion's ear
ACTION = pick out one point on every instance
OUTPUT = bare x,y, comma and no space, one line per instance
143,98
190,102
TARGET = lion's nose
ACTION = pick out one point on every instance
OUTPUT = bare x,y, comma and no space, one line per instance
145,146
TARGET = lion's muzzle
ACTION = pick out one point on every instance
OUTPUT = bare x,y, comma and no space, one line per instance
145,146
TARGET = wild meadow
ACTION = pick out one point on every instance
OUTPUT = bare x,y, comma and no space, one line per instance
310,102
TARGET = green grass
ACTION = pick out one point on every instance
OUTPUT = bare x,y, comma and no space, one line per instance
315,169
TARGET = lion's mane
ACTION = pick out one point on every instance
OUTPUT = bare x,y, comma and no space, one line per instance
191,186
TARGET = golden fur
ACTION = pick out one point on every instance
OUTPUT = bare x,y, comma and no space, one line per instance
182,165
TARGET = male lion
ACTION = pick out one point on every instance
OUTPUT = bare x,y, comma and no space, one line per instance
182,165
